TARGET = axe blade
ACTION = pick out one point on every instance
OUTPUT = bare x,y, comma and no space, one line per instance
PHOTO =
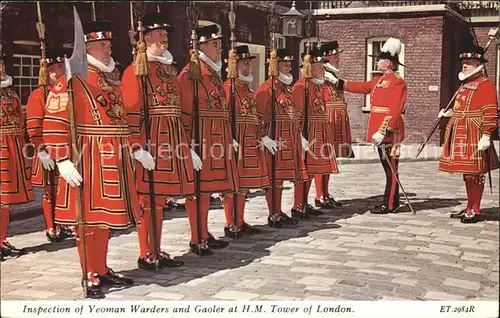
76,65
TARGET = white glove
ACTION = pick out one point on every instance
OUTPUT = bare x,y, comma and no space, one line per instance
305,144
197,164
145,159
484,143
69,173
378,138
442,113
235,145
270,144
46,161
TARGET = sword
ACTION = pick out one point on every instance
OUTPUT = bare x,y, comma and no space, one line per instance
384,154
76,65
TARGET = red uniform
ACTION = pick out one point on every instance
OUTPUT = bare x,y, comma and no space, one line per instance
173,174
338,117
289,160
219,172
252,167
35,113
15,172
109,193
387,99
321,158
475,113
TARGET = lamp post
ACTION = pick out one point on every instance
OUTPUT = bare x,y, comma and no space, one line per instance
293,31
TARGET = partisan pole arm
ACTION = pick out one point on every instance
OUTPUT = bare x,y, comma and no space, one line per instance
131,32
43,75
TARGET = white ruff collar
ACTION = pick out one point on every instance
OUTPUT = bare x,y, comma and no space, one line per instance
165,58
7,81
330,77
247,78
286,79
318,81
215,66
463,77
107,69
330,68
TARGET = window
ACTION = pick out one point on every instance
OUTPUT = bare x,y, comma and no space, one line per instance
314,43
202,23
25,77
280,41
374,46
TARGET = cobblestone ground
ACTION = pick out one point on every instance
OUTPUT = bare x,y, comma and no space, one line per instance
345,254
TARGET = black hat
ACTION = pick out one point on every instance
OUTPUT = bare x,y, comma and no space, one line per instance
97,31
208,33
155,21
285,55
243,53
316,56
472,51
56,55
330,48
390,51
4,57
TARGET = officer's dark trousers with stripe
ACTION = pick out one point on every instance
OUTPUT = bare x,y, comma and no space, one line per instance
391,195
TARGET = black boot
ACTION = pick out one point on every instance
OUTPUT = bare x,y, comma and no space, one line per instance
232,232
167,261
312,211
286,220
216,244
274,221
9,249
333,202
114,279
201,249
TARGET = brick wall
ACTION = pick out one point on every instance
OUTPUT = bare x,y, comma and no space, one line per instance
422,38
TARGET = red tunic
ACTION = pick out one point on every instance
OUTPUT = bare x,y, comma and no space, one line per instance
15,172
252,167
219,172
35,112
289,160
109,192
387,99
321,157
338,117
475,113
173,175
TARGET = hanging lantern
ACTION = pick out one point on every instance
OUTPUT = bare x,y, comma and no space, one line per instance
292,22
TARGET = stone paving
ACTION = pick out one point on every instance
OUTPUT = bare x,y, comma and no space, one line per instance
345,254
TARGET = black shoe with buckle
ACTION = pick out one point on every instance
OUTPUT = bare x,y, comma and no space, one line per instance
94,290
9,248
333,202
310,210
232,232
299,212
52,237
322,203
247,228
273,221
216,244
380,209
457,215
286,220
470,218
166,261
114,279
201,249
147,263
